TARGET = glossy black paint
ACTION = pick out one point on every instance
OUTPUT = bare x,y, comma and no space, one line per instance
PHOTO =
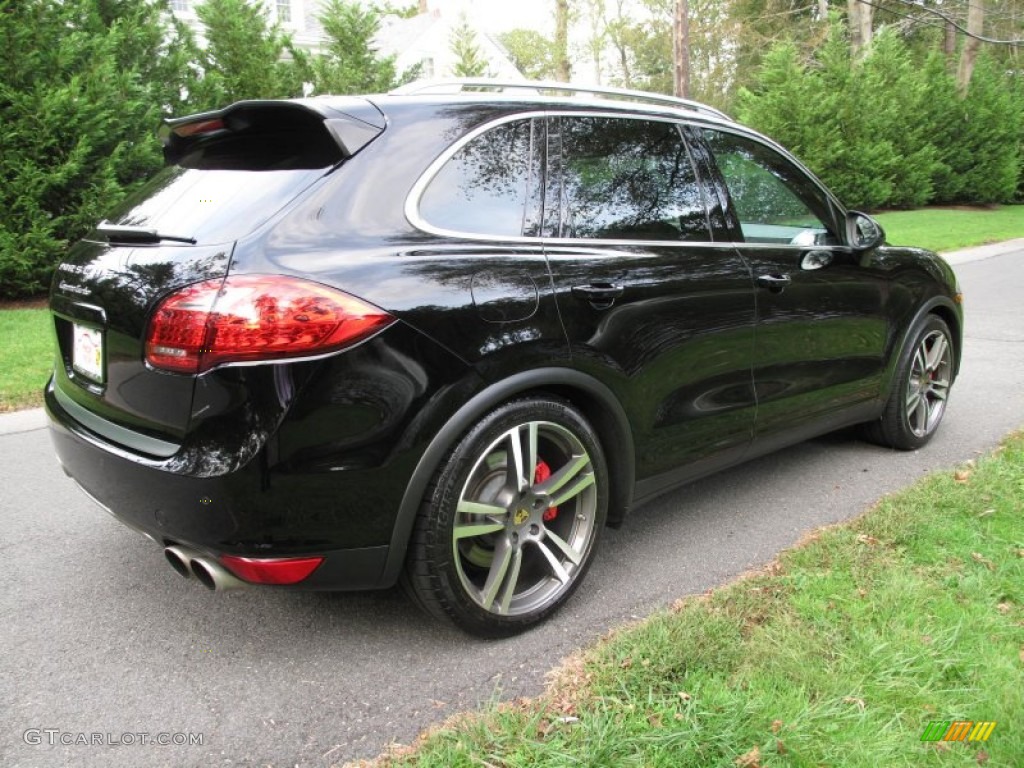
678,354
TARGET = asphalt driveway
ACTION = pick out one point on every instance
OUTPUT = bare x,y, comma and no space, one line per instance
104,644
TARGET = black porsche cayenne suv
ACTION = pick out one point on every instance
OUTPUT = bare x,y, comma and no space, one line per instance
444,336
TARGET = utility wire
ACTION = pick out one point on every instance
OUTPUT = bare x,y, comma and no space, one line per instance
947,18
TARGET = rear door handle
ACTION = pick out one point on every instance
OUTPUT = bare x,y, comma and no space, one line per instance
774,282
597,292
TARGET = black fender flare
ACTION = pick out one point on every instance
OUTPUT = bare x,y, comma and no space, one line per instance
927,308
553,378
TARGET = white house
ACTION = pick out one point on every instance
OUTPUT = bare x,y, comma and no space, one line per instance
299,18
423,39
426,39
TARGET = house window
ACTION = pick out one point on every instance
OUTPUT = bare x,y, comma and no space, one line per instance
284,11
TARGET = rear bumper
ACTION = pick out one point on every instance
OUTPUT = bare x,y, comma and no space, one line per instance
245,513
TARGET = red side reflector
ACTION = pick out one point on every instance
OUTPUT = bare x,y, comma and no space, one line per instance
271,570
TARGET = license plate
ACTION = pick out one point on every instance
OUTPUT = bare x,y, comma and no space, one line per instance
87,352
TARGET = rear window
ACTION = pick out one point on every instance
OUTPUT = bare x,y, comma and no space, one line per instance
212,205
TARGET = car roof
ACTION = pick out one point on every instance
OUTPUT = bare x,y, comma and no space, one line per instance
527,95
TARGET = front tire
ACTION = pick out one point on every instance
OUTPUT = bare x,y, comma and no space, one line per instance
921,388
510,522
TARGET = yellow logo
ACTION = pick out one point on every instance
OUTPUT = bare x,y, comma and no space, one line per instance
521,516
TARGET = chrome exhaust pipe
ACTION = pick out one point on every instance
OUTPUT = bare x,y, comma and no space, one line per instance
179,558
214,576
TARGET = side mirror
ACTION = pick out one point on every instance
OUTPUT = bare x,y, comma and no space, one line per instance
863,232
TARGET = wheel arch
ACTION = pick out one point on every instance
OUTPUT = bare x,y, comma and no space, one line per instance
593,399
944,308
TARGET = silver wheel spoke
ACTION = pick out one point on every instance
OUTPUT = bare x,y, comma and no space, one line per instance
557,568
502,557
937,352
572,468
517,474
573,490
511,581
920,364
531,451
912,400
559,542
921,413
938,392
467,507
477,529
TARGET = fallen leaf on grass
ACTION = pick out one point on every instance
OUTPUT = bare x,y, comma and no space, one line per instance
654,720
854,700
987,513
776,726
751,759
980,558
626,663
780,747
869,540
1004,608
982,757
685,696
962,475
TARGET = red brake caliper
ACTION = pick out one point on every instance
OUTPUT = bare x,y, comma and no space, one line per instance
540,474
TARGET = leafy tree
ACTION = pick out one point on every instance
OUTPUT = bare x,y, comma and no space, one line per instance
469,61
531,52
245,56
350,64
83,85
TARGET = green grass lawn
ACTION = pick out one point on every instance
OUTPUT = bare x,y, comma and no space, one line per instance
841,653
26,357
948,229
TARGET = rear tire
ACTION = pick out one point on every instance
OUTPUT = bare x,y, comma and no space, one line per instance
511,520
924,377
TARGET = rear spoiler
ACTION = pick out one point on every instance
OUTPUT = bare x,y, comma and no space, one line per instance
350,122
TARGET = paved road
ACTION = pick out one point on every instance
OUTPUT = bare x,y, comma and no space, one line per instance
100,636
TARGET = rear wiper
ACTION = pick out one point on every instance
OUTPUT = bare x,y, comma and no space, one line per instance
126,233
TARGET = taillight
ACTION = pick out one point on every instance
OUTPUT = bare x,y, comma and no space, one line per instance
255,318
271,570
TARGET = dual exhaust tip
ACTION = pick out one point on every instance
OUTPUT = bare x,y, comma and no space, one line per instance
211,574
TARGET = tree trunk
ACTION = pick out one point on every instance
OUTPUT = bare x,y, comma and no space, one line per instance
423,7
975,26
823,10
562,65
859,17
949,42
681,48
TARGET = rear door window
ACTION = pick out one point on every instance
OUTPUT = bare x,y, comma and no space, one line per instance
626,178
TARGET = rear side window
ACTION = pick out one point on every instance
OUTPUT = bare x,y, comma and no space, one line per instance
624,178
488,187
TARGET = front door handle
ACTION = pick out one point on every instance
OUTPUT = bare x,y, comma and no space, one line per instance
598,293
774,282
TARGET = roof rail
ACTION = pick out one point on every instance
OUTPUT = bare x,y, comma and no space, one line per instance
459,85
